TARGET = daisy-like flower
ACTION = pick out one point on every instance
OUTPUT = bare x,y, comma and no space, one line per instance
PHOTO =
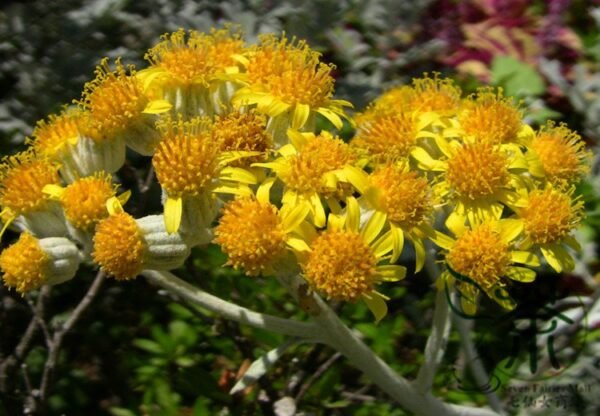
243,132
548,218
477,179
428,97
315,166
121,109
255,235
31,263
53,137
387,135
287,81
191,71
343,261
22,180
124,246
557,154
190,165
488,116
481,258
406,199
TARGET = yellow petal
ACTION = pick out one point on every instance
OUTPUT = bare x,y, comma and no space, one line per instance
525,257
373,226
332,117
420,254
398,242
376,305
510,229
297,244
276,107
442,240
383,245
521,274
233,189
357,177
173,213
8,222
391,273
297,139
264,190
113,205
300,116
124,197
294,216
53,191
317,210
558,258
425,161
352,215
238,175
157,107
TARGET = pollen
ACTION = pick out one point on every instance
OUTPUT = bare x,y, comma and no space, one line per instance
481,255
243,132
290,71
118,246
550,215
24,264
22,180
490,117
478,170
195,58
251,234
114,98
561,152
84,201
341,265
405,197
385,135
427,94
319,156
185,160
51,135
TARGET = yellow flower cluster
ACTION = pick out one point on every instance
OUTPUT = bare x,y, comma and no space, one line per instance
231,128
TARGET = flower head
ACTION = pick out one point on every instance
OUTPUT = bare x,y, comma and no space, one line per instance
246,132
287,76
490,117
558,154
52,136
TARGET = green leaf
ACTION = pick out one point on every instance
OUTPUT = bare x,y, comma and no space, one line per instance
148,345
516,77
120,411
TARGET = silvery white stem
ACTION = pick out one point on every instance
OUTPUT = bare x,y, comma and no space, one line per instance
228,310
436,343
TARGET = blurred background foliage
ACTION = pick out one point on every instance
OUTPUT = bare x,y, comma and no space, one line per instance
140,352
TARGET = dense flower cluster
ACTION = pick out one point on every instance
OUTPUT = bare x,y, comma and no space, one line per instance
231,130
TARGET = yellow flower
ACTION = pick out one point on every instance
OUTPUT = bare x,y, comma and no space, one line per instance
254,233
342,262
548,218
189,163
52,137
426,95
385,135
558,154
30,263
312,167
477,178
22,180
243,132
116,99
188,70
285,78
480,259
84,201
407,201
488,116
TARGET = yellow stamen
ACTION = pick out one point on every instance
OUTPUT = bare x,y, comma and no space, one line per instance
51,135
24,264
550,215
405,197
478,170
114,98
22,180
185,160
84,201
119,246
341,265
490,117
481,255
319,156
243,132
561,152
251,234
385,135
